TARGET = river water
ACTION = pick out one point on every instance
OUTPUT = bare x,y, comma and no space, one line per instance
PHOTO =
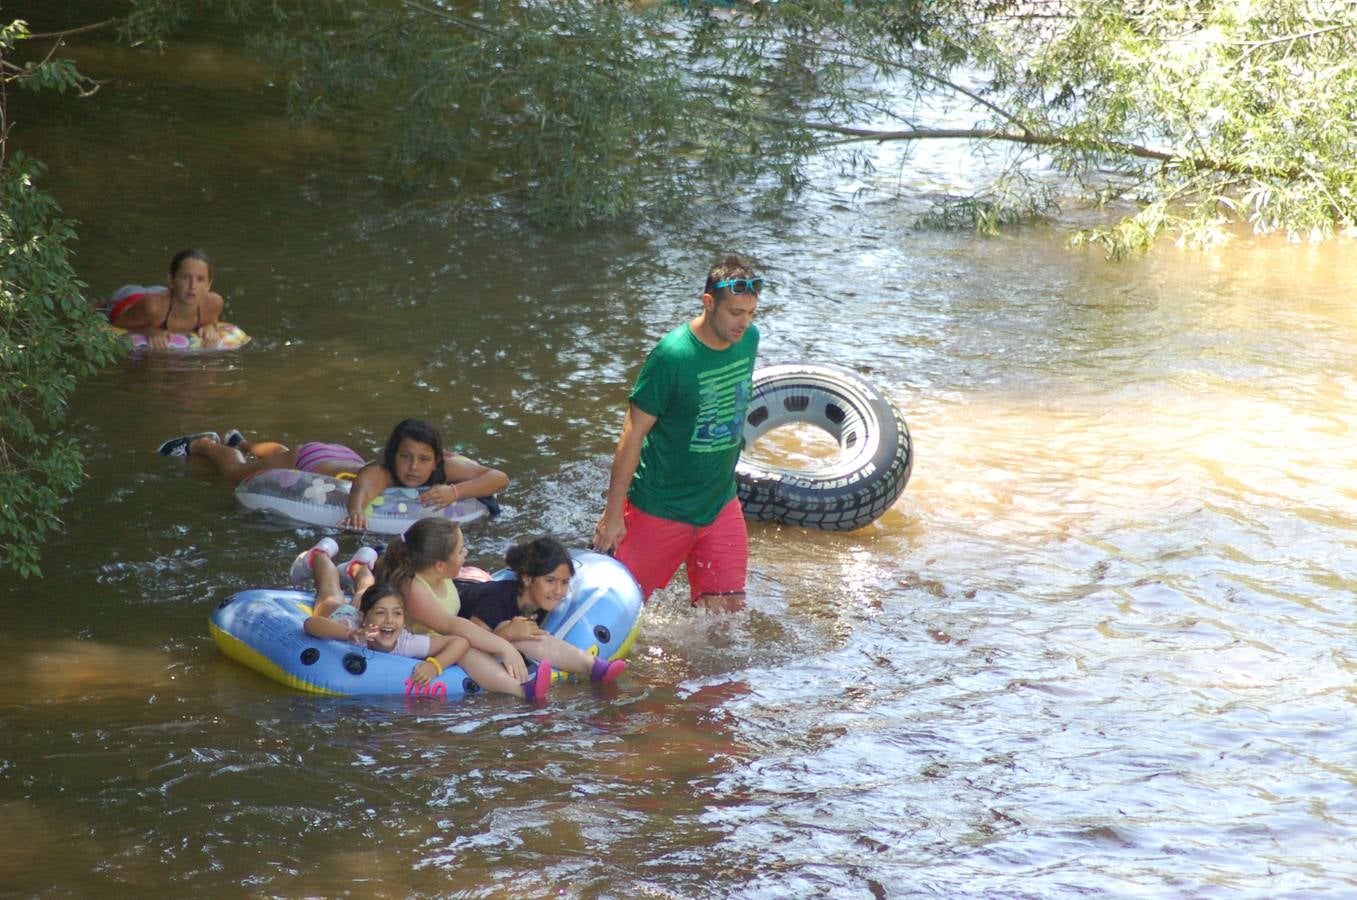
1102,645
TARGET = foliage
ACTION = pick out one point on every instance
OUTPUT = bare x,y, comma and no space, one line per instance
582,111
1211,113
49,335
1204,114
1005,203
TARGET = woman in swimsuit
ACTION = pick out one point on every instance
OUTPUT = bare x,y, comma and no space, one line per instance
188,306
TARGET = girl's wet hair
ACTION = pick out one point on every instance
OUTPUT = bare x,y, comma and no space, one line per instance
375,594
424,543
190,253
538,556
415,430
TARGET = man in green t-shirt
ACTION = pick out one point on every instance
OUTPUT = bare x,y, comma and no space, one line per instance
671,494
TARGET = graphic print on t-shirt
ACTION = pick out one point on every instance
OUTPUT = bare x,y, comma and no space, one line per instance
723,396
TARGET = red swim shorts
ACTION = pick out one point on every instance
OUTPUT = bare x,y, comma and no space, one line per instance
716,555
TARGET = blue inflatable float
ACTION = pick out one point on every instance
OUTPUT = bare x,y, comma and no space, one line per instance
262,629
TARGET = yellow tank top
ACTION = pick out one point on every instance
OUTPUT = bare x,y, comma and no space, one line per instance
449,600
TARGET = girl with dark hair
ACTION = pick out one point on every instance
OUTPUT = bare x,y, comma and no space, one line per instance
413,457
187,306
514,609
421,565
377,623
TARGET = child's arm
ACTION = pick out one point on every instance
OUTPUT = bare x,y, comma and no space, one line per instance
325,627
212,308
210,314
471,479
447,651
370,481
485,640
144,317
519,628
510,631
501,615
422,608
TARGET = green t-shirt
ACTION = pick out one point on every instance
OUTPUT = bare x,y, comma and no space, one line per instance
699,397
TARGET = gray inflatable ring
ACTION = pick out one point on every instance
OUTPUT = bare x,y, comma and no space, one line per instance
862,480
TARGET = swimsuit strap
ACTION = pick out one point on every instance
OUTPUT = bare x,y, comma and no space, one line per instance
165,325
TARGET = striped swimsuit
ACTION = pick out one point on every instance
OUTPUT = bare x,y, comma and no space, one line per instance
312,455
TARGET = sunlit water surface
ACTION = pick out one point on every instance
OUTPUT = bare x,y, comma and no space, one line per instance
1102,645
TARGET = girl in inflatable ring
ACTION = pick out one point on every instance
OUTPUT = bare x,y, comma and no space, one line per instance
187,306
377,620
413,457
515,609
420,564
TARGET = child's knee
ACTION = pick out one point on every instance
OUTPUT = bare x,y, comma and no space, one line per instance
325,605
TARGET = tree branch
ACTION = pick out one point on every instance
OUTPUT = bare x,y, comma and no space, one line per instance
1032,139
1292,38
918,73
69,31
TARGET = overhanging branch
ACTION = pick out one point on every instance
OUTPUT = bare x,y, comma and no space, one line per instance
1121,148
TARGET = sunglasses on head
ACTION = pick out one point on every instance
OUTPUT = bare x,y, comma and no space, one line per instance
740,285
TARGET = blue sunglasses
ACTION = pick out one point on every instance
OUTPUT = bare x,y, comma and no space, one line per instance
741,285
